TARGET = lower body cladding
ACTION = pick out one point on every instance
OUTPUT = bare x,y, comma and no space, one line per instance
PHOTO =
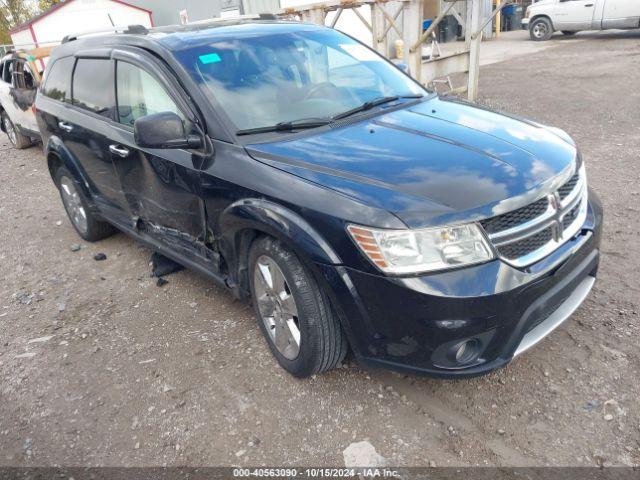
465,322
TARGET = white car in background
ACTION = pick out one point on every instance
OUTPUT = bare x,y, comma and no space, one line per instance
19,80
570,16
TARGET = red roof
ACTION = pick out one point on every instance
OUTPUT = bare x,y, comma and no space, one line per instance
58,6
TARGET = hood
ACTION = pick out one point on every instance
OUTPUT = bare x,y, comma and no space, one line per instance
439,159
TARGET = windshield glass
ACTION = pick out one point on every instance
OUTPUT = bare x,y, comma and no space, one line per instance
267,79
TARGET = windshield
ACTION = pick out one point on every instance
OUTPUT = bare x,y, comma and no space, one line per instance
265,80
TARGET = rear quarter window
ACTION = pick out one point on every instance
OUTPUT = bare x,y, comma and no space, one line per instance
58,82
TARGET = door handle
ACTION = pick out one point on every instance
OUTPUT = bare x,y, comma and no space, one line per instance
65,126
589,5
119,151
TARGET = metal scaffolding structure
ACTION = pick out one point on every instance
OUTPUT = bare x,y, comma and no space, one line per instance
404,18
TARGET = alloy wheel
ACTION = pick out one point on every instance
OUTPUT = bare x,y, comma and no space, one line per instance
73,204
277,307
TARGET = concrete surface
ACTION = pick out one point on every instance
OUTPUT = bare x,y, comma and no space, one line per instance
99,366
516,45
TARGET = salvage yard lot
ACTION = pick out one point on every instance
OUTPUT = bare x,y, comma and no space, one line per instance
124,372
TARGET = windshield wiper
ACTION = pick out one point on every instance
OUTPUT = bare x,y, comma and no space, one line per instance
374,103
287,126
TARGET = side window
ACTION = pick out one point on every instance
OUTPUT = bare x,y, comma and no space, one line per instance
58,82
7,71
139,94
29,82
93,86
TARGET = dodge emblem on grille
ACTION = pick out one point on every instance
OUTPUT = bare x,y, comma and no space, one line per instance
556,226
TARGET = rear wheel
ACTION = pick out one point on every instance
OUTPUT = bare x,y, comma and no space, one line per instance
295,316
18,140
75,203
540,29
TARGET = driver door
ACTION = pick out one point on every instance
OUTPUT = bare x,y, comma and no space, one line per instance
573,14
161,186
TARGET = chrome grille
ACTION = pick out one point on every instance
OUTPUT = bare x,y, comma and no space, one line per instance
527,245
526,235
515,218
568,187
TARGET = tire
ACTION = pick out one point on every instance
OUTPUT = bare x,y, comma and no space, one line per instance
540,29
75,203
17,139
321,343
568,33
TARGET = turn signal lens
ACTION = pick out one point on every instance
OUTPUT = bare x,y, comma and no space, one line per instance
425,250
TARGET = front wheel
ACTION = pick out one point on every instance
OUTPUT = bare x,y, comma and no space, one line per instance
295,316
17,139
540,29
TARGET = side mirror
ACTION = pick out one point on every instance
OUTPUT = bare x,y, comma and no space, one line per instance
163,130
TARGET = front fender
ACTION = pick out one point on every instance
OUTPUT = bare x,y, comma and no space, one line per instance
278,221
241,221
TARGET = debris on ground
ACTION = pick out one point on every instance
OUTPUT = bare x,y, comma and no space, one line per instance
161,282
40,339
161,265
24,297
26,355
75,247
362,454
98,257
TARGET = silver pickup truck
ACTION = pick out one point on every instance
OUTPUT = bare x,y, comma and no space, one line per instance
545,17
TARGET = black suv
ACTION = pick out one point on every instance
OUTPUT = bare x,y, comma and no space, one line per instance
299,168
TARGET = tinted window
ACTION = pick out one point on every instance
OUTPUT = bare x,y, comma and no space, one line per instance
140,94
7,71
58,82
93,86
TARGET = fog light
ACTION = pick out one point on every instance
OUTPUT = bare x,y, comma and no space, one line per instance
467,352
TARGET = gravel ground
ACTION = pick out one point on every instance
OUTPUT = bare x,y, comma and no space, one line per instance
102,367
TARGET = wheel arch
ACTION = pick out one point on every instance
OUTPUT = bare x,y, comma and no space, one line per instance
539,16
242,222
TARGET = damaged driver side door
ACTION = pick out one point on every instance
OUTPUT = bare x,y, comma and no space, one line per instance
161,186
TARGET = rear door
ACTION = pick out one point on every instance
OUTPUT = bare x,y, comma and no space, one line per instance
161,186
621,14
573,14
85,126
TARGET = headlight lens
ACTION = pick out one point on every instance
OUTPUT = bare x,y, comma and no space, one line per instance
425,250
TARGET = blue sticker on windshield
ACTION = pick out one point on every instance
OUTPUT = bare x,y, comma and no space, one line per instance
210,58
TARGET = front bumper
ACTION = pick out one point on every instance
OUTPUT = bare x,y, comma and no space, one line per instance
525,23
414,324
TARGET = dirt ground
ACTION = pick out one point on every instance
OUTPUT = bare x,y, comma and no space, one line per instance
139,375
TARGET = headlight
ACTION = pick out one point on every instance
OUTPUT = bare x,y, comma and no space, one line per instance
425,250
527,12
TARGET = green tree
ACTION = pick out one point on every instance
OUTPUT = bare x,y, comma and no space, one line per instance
15,12
12,14
47,4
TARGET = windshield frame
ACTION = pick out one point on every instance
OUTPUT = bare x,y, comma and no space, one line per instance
266,137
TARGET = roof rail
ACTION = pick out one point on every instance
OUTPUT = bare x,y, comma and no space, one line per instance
130,29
